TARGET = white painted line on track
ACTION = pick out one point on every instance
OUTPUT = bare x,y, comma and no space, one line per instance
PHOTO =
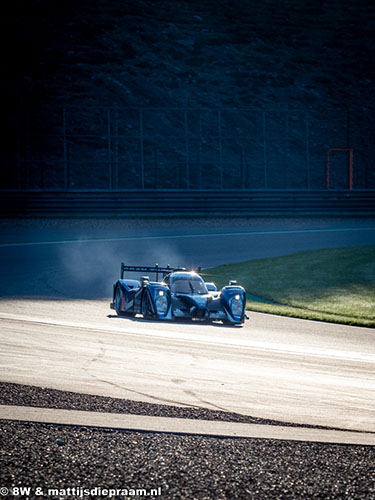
180,236
182,425
202,339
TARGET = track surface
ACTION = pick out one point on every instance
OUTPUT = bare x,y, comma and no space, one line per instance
56,333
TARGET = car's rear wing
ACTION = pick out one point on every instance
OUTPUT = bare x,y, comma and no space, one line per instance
155,269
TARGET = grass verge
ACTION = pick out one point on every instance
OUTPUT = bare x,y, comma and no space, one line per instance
335,284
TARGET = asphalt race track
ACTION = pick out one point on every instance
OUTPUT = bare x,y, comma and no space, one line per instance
57,329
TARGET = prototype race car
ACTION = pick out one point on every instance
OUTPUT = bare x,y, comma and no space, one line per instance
180,294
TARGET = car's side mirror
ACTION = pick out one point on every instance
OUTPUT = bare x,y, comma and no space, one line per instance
211,287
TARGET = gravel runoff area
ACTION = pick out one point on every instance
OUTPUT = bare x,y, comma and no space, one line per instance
179,466
72,459
25,395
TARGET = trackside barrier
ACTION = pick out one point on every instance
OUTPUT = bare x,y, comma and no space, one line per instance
151,203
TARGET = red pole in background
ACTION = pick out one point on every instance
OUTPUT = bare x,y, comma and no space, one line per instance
328,169
350,169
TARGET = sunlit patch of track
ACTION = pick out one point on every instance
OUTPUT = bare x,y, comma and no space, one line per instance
186,336
57,330
251,370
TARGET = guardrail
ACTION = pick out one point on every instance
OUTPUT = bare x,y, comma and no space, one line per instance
156,203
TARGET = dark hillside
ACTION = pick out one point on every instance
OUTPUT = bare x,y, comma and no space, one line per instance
172,53
282,58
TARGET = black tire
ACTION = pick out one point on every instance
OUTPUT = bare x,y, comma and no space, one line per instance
227,322
118,297
146,307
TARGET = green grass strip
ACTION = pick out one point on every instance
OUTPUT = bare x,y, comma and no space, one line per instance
335,284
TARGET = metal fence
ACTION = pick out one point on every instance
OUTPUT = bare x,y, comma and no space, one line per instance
196,149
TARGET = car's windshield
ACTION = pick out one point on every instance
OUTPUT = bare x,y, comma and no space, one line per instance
188,285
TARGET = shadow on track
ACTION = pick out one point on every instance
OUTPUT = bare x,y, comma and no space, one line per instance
185,321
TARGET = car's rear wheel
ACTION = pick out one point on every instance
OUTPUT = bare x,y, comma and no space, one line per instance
146,307
118,300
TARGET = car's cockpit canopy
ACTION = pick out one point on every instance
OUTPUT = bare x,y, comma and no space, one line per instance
187,283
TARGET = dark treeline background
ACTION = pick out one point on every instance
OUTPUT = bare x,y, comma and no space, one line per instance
184,94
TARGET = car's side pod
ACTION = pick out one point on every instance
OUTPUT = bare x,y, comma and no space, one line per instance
233,299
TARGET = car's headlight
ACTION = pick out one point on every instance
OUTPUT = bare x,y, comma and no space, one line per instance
161,303
236,305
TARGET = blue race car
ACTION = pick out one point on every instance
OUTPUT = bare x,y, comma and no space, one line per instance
179,294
